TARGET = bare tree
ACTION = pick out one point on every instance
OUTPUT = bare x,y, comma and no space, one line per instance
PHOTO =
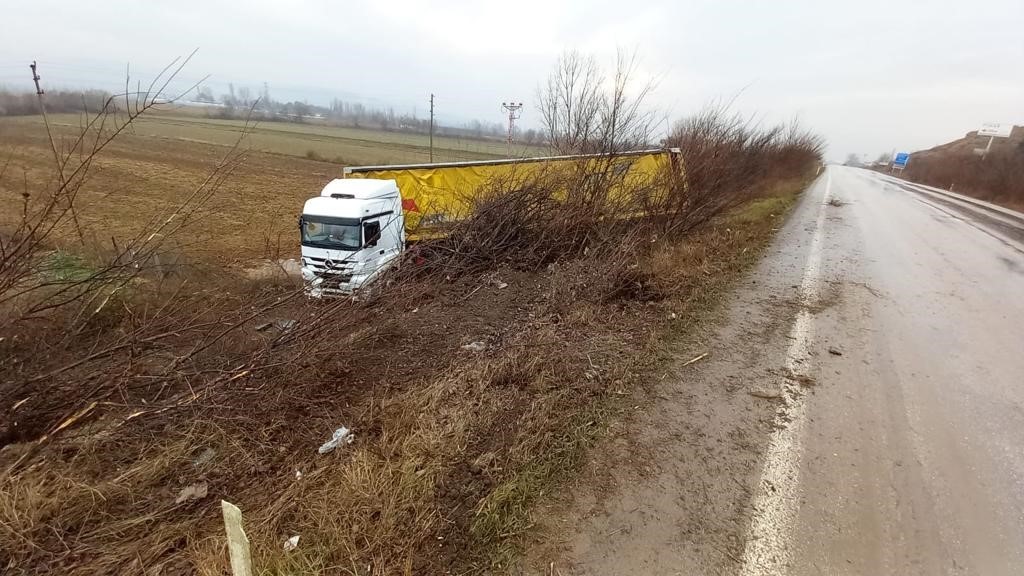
301,110
244,96
626,122
265,101
205,94
584,111
570,102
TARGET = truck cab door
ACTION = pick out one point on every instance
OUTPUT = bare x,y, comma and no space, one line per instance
379,240
371,240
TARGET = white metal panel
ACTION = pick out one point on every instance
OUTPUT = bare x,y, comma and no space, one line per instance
995,129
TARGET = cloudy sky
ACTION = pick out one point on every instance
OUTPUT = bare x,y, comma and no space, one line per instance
869,76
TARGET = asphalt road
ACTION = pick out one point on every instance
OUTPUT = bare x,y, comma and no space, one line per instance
913,450
861,410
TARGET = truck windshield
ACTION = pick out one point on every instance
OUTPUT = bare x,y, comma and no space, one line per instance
334,233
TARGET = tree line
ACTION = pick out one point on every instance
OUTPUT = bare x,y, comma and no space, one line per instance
27,103
242,102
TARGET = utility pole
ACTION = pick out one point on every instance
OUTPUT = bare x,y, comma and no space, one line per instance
35,78
431,127
56,155
513,115
988,148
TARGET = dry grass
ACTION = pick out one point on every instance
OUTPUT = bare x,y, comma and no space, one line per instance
141,176
341,145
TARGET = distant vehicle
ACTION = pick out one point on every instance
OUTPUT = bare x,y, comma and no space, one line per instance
360,224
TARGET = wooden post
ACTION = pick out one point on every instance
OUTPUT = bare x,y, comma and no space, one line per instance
238,542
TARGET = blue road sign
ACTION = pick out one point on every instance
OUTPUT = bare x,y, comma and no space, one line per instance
901,160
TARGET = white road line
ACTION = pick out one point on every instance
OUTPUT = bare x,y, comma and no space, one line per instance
776,503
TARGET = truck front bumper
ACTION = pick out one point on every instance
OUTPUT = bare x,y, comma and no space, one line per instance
321,284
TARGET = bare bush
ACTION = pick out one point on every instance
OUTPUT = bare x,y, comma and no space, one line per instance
729,159
34,277
101,355
595,204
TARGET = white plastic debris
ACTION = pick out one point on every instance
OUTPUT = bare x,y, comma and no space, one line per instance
291,543
475,346
192,492
341,436
502,285
298,474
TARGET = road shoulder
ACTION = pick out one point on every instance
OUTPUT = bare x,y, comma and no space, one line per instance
670,490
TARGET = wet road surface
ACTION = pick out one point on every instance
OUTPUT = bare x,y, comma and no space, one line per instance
913,456
861,412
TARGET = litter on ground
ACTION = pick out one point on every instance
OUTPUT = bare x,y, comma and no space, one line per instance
341,436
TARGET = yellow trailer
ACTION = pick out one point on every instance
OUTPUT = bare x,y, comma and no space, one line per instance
434,195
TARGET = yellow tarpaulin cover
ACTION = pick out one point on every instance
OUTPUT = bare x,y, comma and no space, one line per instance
436,194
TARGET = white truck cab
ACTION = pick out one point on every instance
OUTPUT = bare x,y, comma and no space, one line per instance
353,231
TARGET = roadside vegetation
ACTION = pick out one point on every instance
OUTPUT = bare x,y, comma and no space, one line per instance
997,177
137,393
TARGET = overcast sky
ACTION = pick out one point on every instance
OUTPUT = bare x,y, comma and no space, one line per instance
869,76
